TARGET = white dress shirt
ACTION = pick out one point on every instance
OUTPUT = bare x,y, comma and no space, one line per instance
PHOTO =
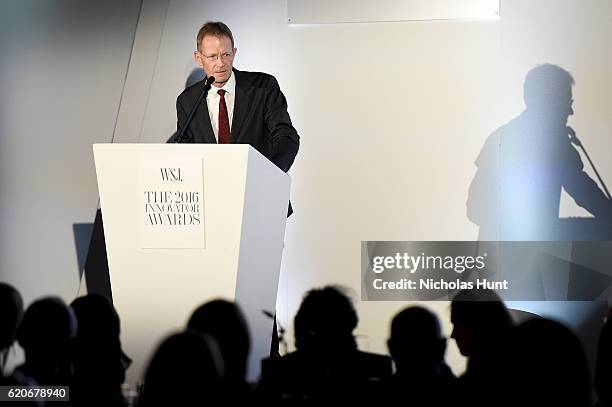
212,100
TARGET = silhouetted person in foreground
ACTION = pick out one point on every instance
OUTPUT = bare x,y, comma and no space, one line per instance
327,366
523,165
45,335
186,370
225,322
603,373
544,366
481,326
417,347
99,363
11,315
11,308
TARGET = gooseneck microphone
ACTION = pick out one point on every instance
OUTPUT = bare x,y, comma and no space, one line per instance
207,84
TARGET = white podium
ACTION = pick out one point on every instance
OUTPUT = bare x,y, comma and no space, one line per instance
184,224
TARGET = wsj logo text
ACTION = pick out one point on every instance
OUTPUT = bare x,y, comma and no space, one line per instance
171,175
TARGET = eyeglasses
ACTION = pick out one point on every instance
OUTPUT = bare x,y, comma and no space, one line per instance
225,57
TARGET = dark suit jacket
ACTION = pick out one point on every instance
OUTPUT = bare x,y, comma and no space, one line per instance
305,376
260,118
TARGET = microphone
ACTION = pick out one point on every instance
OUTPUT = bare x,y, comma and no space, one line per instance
208,81
573,138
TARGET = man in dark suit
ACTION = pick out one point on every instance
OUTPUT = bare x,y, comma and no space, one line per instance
241,107
327,365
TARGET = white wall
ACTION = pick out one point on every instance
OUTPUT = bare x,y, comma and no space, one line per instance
391,115
61,75
62,70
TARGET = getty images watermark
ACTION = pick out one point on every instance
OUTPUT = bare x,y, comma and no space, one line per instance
530,271
423,263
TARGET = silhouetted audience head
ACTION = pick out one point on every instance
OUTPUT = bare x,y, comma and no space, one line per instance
477,317
99,362
325,321
186,370
11,305
96,317
481,326
327,367
224,321
416,340
545,366
45,333
548,90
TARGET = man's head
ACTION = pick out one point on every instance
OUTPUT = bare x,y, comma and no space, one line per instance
548,92
46,331
416,339
478,317
11,305
216,51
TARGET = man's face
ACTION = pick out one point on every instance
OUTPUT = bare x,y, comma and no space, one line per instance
216,56
565,108
553,109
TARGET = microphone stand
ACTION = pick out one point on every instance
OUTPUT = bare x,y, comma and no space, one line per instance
577,142
280,332
207,84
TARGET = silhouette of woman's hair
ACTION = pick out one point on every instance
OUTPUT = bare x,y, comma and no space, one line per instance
186,369
326,318
226,323
96,316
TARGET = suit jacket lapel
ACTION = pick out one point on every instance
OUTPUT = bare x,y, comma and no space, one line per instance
240,109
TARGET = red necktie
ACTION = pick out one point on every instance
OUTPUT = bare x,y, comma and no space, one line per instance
224,127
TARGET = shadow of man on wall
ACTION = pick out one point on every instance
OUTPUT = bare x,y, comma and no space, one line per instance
523,165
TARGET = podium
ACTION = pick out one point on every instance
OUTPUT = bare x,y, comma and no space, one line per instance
185,224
